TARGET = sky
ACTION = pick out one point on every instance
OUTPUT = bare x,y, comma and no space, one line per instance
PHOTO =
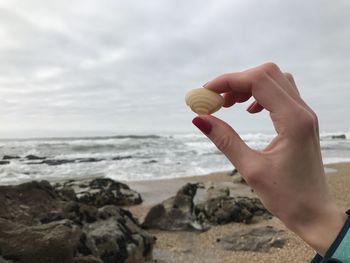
94,68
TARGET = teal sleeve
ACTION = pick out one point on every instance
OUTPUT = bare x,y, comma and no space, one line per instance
339,251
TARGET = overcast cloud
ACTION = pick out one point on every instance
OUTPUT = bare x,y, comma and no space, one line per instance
107,67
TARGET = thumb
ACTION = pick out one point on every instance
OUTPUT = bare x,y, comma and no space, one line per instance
226,140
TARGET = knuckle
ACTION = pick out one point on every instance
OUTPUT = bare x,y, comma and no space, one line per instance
289,76
270,68
223,142
259,76
315,118
307,121
253,176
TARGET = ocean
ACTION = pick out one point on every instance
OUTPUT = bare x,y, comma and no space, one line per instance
132,157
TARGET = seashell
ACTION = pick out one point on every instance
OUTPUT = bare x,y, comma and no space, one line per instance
204,101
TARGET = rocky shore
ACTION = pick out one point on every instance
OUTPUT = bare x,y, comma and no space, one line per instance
88,220
44,223
214,218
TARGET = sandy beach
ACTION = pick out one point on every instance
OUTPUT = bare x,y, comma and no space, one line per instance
203,247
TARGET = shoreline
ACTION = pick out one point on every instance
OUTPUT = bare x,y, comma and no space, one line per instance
157,190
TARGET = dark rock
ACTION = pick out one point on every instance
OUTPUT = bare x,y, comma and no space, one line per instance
63,161
40,223
87,259
226,209
67,193
234,171
53,162
87,213
33,163
54,242
149,162
257,239
2,260
57,161
103,191
118,158
10,157
4,162
340,136
89,160
238,178
175,213
214,192
34,157
29,202
120,231
51,217
216,207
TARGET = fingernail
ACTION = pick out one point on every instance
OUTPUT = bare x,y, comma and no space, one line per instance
202,124
250,108
205,84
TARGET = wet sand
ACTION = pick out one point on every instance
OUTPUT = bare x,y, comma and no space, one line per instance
195,247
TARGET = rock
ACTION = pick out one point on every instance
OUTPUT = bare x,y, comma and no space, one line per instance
65,161
340,136
149,162
57,161
32,163
27,203
54,242
34,157
39,223
118,158
218,207
103,191
67,193
62,161
4,162
53,162
214,192
87,259
238,178
260,239
234,171
232,209
89,160
2,260
106,239
10,157
175,213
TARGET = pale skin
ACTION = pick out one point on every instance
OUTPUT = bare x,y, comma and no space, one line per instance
288,175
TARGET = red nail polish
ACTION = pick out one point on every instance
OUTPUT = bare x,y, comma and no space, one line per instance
202,124
251,107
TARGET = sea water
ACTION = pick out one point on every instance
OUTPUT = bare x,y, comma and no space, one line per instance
135,157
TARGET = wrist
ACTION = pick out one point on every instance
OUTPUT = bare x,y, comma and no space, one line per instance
321,228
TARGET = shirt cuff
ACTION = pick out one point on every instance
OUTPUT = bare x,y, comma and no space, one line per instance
339,251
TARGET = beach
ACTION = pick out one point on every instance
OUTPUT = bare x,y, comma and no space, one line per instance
186,219
183,246
70,184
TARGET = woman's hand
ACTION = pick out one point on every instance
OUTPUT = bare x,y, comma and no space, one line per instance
288,175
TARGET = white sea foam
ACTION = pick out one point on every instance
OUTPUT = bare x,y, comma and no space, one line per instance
137,157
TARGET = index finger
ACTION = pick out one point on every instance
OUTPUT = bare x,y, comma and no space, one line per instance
256,81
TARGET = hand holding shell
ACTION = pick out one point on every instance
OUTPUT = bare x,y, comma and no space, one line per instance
204,101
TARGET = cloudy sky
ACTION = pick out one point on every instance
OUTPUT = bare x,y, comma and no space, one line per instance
86,67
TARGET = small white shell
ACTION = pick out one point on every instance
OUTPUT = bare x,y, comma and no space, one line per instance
204,101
